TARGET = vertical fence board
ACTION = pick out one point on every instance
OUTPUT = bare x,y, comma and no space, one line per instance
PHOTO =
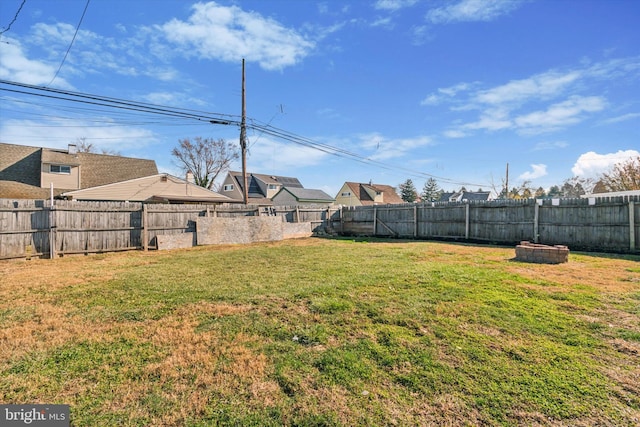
84,227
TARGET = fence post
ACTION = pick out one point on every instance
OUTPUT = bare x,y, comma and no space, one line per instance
375,220
52,231
297,214
536,221
145,228
415,221
466,220
632,227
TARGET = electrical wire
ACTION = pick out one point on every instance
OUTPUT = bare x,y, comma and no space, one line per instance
15,17
132,107
70,44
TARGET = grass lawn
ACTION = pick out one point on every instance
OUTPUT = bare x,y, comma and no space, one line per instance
324,332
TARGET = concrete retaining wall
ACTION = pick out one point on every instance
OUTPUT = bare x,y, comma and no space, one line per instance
175,241
294,230
216,231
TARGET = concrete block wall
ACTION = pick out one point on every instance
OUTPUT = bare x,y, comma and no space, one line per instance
216,231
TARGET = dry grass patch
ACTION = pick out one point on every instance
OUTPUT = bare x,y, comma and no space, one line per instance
324,332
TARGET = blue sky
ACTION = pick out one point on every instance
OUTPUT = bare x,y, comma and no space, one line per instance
452,89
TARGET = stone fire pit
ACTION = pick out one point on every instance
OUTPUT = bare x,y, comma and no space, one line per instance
542,254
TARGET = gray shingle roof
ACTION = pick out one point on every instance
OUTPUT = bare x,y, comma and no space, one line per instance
23,164
308,194
20,163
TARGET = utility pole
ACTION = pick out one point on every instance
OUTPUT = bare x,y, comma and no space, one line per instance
243,142
506,193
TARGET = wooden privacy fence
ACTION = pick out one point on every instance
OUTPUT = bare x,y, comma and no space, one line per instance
36,228
610,224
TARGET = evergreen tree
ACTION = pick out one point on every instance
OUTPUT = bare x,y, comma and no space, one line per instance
554,192
408,191
431,192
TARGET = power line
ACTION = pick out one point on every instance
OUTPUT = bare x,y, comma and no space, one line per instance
71,44
130,107
14,18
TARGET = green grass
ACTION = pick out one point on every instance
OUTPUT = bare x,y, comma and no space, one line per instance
329,332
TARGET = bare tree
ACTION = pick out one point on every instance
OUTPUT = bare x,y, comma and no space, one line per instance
205,158
623,177
83,146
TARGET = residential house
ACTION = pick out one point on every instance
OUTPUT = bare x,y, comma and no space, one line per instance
261,187
159,188
38,169
465,196
359,194
293,196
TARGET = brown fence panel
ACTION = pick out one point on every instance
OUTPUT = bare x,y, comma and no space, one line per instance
577,224
24,228
27,227
91,227
441,221
502,221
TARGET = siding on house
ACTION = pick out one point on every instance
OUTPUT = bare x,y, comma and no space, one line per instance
161,187
261,187
362,194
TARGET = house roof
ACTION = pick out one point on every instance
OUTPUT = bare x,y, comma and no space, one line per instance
160,187
59,157
20,190
20,163
101,169
475,195
307,194
465,195
255,192
23,164
389,195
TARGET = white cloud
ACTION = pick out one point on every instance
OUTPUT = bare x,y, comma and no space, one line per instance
230,34
385,22
384,149
550,145
471,10
103,132
270,156
95,54
446,93
491,119
540,86
537,171
622,118
454,133
16,66
592,164
559,115
523,105
172,98
394,4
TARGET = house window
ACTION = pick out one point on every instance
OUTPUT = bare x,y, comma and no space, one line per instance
273,187
228,187
60,169
345,194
